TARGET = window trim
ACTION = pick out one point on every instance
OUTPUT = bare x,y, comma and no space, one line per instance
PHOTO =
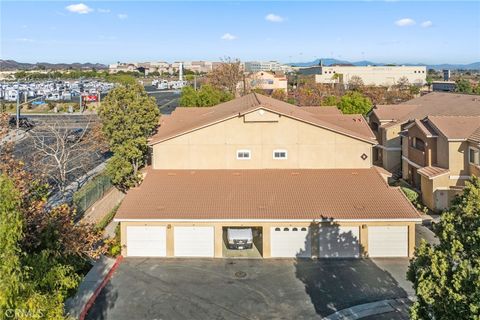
475,150
244,151
277,151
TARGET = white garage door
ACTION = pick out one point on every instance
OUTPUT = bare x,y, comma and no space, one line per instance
146,241
193,241
290,242
388,241
339,242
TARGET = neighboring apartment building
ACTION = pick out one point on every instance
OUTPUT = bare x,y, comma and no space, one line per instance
301,178
372,75
437,113
439,153
267,81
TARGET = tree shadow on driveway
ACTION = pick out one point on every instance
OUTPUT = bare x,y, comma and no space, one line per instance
339,283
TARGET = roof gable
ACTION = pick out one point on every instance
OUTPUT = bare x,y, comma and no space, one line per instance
185,120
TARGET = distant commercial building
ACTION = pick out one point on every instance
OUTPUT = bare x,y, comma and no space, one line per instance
256,66
372,75
445,86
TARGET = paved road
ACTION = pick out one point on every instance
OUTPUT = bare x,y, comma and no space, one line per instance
25,151
166,100
245,289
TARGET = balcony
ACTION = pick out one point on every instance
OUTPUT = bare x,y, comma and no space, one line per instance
416,156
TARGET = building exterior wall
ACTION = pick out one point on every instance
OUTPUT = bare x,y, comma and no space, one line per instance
372,75
307,146
266,81
218,227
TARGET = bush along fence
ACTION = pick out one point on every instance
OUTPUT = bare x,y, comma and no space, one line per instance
90,193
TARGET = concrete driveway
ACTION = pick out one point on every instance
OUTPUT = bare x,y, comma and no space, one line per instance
246,289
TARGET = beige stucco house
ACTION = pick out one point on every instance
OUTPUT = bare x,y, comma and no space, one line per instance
428,140
439,154
266,81
301,178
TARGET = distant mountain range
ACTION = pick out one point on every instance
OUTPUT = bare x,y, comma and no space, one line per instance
330,61
9,65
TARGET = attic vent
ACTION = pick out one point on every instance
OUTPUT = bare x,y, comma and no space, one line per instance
171,174
355,173
236,174
295,173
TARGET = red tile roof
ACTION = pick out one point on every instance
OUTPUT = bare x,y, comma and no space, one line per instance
432,171
305,194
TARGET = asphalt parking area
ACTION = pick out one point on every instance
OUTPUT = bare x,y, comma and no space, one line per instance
246,289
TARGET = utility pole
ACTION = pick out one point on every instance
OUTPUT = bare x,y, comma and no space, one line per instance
195,82
80,101
18,109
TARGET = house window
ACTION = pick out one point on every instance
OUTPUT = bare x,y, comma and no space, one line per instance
474,156
279,154
418,144
374,126
243,154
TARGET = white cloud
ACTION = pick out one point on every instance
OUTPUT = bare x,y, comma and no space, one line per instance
274,18
405,22
426,24
228,36
103,10
122,16
80,8
24,40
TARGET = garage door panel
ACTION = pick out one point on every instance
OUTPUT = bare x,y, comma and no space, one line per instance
194,241
388,241
290,242
339,242
146,241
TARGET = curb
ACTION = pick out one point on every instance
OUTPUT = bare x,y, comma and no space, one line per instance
370,309
97,291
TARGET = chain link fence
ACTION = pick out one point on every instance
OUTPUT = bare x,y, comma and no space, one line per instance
90,193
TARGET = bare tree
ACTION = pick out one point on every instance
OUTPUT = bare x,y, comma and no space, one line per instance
355,83
227,75
62,151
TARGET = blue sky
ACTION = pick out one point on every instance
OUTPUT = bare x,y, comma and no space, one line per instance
106,32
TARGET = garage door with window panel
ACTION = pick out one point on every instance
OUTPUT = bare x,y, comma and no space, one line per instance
194,241
146,241
388,241
339,242
290,242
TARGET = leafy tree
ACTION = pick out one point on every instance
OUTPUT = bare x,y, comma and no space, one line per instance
354,103
446,276
11,232
129,116
330,101
189,97
207,96
464,86
279,94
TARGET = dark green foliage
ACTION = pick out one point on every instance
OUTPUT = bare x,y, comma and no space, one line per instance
129,116
207,96
446,277
354,102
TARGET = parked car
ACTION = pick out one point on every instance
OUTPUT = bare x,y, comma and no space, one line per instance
74,135
23,122
240,238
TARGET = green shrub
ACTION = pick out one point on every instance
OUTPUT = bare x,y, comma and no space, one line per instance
115,247
411,194
102,224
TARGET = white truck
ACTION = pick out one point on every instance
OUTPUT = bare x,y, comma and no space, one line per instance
240,238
